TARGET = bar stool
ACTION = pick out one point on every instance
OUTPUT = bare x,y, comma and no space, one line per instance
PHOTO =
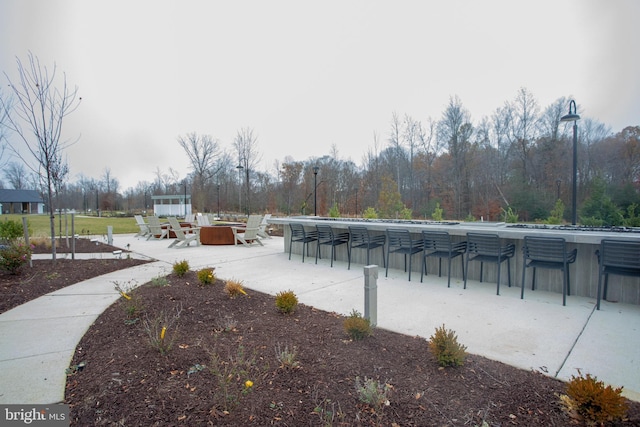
361,238
487,248
438,244
547,252
300,235
327,237
400,241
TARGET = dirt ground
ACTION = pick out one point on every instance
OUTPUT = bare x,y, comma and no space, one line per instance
302,368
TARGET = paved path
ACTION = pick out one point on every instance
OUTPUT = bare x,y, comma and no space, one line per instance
37,339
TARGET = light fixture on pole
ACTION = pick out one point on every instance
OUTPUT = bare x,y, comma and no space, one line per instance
240,167
573,117
315,190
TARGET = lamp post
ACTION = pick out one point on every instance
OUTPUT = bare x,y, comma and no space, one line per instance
573,117
185,198
315,190
240,167
218,199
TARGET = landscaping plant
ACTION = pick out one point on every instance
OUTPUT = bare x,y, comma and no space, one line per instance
206,276
445,347
286,302
589,401
356,326
180,268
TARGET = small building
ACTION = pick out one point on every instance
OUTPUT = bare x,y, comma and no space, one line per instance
178,205
21,202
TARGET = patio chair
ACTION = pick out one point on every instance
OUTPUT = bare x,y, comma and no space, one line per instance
144,227
487,248
184,235
326,237
249,234
156,230
300,235
438,244
621,257
547,252
399,241
202,220
362,239
262,232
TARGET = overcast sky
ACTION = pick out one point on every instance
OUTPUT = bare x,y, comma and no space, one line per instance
306,75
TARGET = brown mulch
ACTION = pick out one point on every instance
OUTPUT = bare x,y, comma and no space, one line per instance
46,276
219,343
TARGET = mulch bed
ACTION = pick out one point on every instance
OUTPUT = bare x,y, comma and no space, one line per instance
46,276
219,343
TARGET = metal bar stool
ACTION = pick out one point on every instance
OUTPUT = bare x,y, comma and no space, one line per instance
438,244
487,248
300,235
361,238
621,257
400,241
327,237
547,252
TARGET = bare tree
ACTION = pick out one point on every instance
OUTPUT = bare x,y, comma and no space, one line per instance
524,125
16,174
246,145
36,117
203,152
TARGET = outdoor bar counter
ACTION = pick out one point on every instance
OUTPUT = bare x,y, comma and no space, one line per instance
583,273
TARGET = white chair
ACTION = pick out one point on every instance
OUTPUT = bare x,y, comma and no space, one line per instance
156,231
262,232
184,235
144,227
203,220
249,234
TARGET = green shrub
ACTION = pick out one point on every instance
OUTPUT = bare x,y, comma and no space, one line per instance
445,347
10,230
180,268
588,400
510,216
557,213
356,326
437,213
286,302
206,276
334,212
370,213
406,213
14,256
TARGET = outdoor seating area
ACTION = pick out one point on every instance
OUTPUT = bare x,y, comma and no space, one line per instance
399,246
203,230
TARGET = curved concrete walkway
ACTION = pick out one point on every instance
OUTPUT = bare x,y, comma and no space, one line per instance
37,339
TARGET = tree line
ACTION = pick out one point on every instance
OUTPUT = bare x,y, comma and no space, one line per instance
515,162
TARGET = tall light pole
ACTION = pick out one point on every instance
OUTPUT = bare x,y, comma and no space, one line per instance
218,199
315,190
240,167
573,117
185,197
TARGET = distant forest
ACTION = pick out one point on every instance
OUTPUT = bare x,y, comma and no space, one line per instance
515,165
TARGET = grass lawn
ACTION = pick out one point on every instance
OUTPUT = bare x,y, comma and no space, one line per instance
39,225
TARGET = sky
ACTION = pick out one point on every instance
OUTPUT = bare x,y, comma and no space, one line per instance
308,75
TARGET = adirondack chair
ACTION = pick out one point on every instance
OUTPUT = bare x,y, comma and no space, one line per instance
262,232
155,228
184,235
203,220
249,234
144,227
